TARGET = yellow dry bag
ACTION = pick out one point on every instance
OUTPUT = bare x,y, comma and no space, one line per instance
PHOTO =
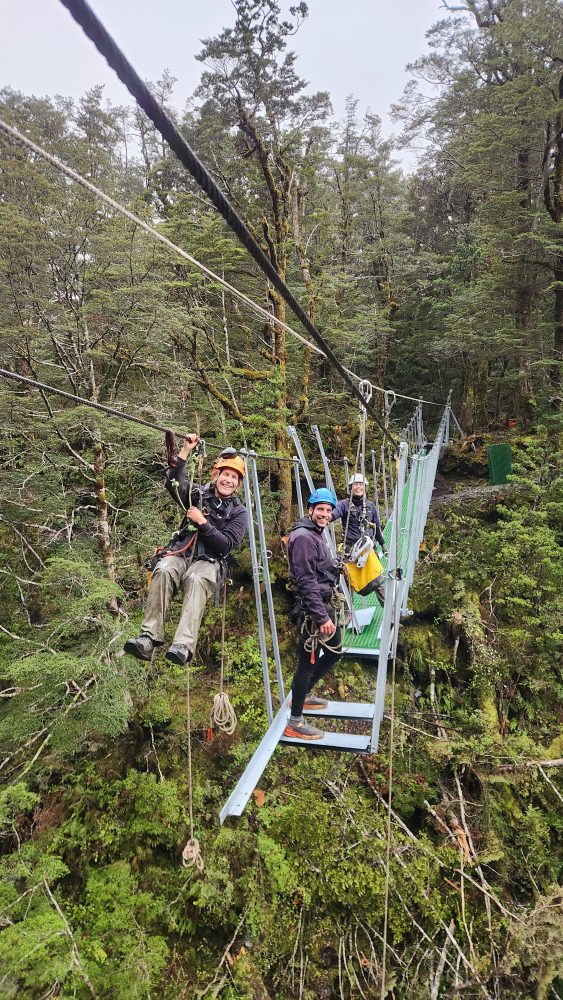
361,577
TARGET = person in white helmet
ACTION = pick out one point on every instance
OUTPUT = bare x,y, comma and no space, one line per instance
350,512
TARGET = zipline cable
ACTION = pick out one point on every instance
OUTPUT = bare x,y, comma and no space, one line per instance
94,29
19,137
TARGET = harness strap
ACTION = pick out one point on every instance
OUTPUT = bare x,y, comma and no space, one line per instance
312,632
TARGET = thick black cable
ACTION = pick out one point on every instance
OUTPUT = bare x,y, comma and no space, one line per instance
94,29
113,412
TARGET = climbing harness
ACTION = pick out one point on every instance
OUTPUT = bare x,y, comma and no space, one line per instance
223,714
187,529
311,634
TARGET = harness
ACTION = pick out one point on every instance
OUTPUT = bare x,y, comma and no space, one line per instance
311,631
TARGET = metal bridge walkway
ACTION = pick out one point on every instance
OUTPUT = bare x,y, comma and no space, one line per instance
411,490
366,643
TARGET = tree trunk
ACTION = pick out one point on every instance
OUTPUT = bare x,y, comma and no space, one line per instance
312,295
467,415
103,530
556,373
524,297
553,200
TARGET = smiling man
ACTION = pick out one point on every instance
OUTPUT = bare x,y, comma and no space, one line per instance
214,523
314,574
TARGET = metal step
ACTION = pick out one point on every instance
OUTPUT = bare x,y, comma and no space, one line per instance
333,741
359,651
345,710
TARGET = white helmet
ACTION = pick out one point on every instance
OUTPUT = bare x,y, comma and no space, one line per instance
358,478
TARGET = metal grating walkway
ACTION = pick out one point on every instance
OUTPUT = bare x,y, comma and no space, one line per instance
367,642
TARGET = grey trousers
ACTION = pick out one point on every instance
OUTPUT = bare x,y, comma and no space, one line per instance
198,580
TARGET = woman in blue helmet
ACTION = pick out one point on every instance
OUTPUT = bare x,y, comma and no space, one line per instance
314,574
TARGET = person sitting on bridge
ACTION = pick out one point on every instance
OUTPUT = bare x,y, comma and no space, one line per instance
351,511
314,574
215,522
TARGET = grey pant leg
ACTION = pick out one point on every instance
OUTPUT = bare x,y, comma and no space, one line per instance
199,584
166,580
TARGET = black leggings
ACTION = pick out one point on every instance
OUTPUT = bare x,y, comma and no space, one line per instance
308,674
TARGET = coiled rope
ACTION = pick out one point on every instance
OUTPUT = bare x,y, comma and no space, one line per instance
223,714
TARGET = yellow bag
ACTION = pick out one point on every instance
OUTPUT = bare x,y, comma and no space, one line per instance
360,578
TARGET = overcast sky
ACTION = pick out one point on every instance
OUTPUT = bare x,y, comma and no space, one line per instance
358,47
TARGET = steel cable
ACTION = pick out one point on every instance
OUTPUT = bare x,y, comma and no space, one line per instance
94,29
264,313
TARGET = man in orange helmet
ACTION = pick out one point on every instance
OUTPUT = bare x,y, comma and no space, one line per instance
215,521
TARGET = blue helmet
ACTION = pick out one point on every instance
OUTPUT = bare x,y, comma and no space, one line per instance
322,495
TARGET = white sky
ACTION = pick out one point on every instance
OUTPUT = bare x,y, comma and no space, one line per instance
358,47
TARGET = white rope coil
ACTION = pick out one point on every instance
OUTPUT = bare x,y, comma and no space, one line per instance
223,714
191,855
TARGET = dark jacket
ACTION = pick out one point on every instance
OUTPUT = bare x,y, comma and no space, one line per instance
353,533
227,519
312,568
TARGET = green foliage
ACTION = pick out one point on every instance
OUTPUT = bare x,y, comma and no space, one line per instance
35,950
15,801
123,949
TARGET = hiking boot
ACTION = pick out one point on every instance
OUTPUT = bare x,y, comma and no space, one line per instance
178,654
141,648
302,731
313,704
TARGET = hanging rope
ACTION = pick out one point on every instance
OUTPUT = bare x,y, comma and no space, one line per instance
223,714
191,855
395,631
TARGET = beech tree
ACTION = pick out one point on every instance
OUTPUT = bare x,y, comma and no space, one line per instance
251,87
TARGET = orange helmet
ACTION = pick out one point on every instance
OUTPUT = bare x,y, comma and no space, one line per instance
234,462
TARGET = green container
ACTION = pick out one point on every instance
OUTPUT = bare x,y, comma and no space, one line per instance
500,463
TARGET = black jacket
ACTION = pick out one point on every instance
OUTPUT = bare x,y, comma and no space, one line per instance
312,568
227,519
353,533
